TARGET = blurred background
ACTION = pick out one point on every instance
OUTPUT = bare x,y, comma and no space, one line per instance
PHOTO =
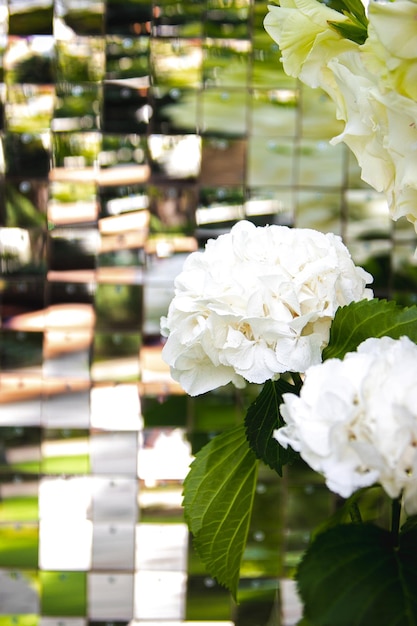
131,132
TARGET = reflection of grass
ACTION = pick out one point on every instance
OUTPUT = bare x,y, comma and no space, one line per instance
77,464
20,509
19,620
19,547
211,600
63,593
71,192
34,123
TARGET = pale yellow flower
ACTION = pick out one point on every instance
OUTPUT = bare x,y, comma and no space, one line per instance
390,50
306,41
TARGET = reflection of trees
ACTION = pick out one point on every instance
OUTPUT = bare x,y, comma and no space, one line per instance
33,20
37,69
118,306
25,155
21,212
119,345
128,16
83,145
127,61
85,22
21,351
79,64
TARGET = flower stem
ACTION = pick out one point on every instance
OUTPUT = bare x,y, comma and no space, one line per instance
297,380
395,520
355,514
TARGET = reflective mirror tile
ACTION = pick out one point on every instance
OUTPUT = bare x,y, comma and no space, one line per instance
19,592
28,57
106,400
118,307
19,498
27,154
175,157
113,546
78,61
114,453
271,162
29,108
115,357
110,596
320,164
65,451
178,19
227,20
159,595
114,499
320,208
21,351
224,112
66,404
176,62
85,17
19,546
65,546
65,498
20,448
130,18
162,547
226,62
63,593
223,161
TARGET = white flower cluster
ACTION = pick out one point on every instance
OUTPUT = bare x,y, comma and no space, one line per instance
355,421
373,85
256,302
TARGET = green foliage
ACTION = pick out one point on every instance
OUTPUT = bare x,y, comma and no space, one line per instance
342,575
218,499
354,32
263,417
356,28
352,8
354,574
369,318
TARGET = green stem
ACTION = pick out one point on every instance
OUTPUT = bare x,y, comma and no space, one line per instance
355,514
297,380
395,520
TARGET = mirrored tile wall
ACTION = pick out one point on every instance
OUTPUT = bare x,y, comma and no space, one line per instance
131,132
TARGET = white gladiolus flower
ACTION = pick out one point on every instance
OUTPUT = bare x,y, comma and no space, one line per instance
307,43
373,85
255,303
381,131
355,421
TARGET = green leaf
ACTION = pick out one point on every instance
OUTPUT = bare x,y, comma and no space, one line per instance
352,8
410,524
369,318
354,32
354,575
218,498
343,513
263,417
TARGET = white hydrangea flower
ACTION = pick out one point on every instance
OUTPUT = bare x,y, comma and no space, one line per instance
257,302
355,420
